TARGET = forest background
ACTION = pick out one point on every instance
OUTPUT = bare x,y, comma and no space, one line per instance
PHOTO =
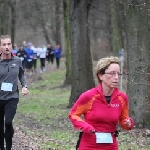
88,30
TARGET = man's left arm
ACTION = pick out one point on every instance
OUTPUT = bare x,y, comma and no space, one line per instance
23,81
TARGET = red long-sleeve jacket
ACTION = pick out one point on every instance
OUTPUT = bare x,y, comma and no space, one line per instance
100,116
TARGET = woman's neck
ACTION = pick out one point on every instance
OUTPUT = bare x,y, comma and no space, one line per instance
107,91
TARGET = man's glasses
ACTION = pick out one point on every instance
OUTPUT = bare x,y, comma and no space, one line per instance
114,73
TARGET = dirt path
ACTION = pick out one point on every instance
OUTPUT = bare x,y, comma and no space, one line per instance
21,141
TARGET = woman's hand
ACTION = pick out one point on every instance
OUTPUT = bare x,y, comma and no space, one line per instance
92,131
127,122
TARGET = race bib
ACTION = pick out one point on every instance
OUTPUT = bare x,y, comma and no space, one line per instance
29,60
103,137
6,86
21,58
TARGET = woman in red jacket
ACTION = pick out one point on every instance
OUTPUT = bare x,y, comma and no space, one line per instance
102,108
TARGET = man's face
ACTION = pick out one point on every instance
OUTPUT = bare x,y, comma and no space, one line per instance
28,46
24,43
6,46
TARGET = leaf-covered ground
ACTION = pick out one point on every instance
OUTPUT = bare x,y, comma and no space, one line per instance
29,133
24,142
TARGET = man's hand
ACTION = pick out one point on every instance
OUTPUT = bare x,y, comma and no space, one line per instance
25,91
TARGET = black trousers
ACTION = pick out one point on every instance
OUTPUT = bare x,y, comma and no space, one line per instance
57,62
52,58
29,65
7,112
42,63
34,63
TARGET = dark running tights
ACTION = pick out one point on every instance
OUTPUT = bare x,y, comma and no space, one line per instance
57,62
7,111
42,61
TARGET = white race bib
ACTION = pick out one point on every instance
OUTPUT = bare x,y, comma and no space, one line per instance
6,86
21,58
29,60
103,137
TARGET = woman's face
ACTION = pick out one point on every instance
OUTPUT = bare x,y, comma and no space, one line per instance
111,77
21,47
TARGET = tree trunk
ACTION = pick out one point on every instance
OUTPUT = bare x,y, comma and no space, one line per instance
5,18
51,28
82,71
116,32
58,22
67,43
1,19
138,61
42,20
100,29
13,20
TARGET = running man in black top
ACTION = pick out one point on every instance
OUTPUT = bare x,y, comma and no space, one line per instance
10,70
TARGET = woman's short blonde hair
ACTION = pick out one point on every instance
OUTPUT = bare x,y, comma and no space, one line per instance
103,64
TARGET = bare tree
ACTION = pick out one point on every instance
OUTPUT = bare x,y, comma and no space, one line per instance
57,22
138,53
82,71
59,25
13,19
116,30
8,18
42,20
67,42
5,17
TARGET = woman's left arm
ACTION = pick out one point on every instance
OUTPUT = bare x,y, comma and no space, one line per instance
125,121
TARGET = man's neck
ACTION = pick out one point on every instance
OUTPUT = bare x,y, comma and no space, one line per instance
5,56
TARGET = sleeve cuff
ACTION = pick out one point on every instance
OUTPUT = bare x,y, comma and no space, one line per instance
25,86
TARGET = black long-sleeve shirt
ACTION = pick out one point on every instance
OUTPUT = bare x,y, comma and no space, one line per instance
10,71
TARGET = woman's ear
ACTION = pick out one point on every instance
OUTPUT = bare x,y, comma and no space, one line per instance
100,77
